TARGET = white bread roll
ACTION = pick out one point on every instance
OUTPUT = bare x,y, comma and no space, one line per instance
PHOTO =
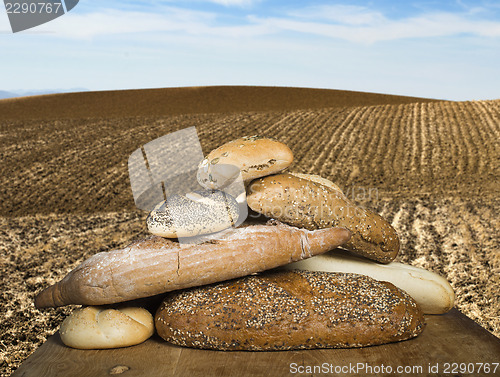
98,328
431,291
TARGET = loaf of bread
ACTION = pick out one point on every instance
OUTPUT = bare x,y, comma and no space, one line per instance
431,291
253,156
157,265
311,205
98,327
195,213
289,310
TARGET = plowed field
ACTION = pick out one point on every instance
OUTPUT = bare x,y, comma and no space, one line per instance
437,148
431,168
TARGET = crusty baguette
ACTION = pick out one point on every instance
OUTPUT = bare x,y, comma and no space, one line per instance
311,205
157,265
254,156
288,310
431,291
100,327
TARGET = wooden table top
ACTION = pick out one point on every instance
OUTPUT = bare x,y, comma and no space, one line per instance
451,344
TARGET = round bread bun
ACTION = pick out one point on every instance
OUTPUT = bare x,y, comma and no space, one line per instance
218,176
193,214
95,327
254,156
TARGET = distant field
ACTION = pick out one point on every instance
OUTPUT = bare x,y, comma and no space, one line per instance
193,100
431,168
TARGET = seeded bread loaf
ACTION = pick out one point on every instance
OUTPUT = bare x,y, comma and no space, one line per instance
311,205
289,310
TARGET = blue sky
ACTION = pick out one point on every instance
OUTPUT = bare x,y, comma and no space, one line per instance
441,49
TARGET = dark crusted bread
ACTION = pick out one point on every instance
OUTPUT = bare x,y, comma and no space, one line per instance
289,310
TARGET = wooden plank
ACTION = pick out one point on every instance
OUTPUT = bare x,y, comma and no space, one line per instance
449,338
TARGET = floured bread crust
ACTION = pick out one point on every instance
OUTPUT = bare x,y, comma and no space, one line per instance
157,265
431,291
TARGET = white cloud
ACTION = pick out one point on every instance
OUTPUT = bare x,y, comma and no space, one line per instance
360,24
344,14
350,23
239,3
4,22
154,45
112,22
109,22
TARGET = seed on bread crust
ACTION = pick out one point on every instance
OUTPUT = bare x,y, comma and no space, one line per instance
305,203
289,310
197,213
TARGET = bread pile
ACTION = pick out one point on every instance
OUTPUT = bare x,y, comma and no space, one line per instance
275,285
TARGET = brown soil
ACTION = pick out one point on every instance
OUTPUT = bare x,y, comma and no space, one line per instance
430,168
435,148
193,100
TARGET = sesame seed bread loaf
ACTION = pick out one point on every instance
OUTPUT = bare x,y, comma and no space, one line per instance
254,156
289,310
195,213
307,204
99,327
157,265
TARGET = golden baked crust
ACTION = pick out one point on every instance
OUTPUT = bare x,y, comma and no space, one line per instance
99,327
289,310
255,156
307,204
318,179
